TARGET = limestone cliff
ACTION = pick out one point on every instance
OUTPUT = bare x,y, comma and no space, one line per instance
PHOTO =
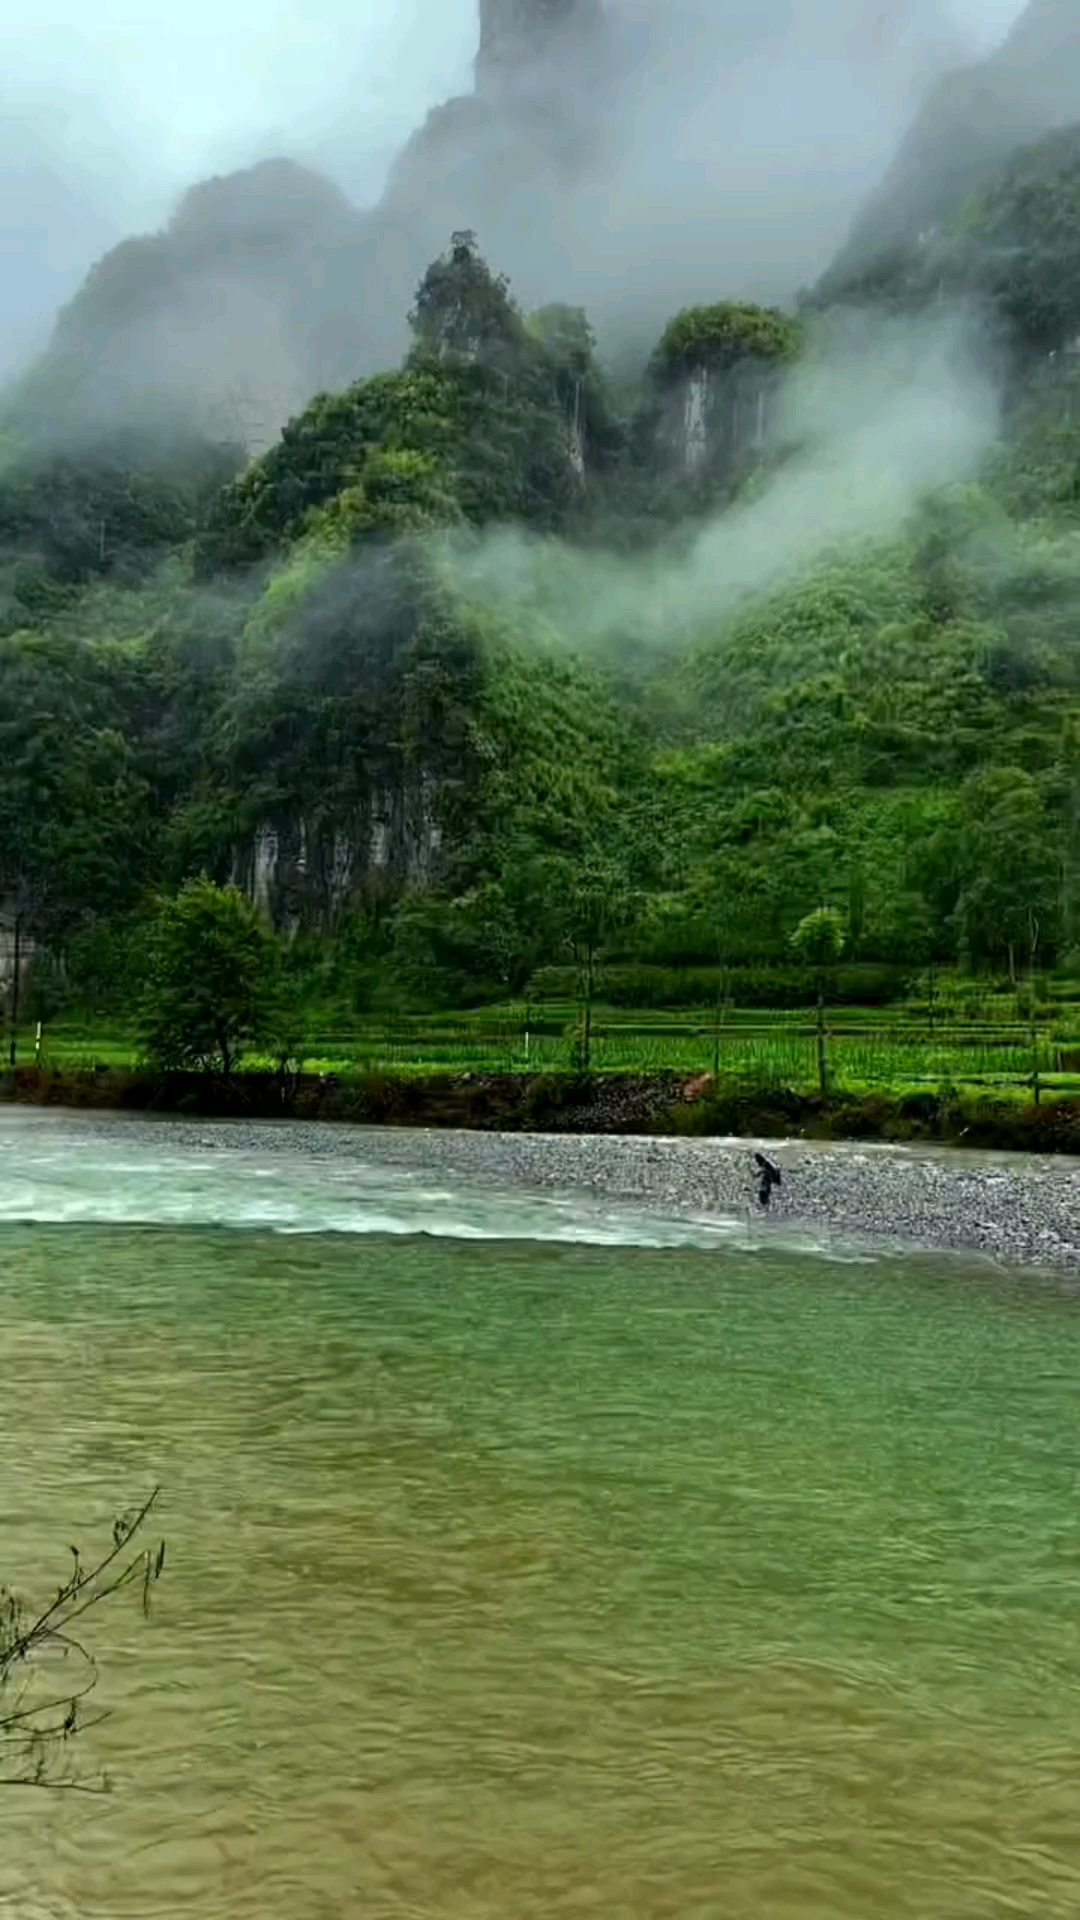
973,120
516,36
306,866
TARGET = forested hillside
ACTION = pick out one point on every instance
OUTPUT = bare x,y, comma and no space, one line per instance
282,671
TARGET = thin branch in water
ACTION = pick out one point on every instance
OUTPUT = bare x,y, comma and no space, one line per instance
35,1734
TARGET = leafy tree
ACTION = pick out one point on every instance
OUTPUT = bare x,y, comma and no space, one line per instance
355,439
212,980
464,312
74,827
589,902
818,941
906,928
565,335
819,938
1008,868
450,949
723,337
108,505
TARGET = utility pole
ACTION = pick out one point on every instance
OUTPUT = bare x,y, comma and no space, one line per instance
17,954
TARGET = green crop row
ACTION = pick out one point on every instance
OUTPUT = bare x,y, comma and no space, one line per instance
858,1053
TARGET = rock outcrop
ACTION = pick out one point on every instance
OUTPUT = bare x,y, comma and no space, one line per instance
973,120
717,376
304,868
710,422
518,36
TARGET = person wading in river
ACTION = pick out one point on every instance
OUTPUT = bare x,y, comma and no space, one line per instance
768,1178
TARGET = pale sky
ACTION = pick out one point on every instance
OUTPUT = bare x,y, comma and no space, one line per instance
105,119
207,81
987,21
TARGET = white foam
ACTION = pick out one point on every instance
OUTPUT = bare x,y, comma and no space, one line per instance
62,1171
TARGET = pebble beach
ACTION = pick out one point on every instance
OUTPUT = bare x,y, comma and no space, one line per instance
1010,1206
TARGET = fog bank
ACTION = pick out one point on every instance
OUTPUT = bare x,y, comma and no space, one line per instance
879,415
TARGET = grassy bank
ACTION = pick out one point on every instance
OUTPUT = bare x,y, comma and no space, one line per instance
569,1103
973,1041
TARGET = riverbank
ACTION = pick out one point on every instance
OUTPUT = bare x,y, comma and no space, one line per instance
296,1177
620,1104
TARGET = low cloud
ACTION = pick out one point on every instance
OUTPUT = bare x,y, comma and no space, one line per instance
878,416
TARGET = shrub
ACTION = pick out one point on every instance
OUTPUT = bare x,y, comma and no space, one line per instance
213,980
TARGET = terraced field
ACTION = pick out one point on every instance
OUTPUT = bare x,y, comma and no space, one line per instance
968,1042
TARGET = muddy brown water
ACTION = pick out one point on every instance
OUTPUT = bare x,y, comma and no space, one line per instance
529,1558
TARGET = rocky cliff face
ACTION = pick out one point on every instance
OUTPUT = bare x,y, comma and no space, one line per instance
972,121
710,422
303,867
518,36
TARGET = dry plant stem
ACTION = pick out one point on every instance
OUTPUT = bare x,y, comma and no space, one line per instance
35,1735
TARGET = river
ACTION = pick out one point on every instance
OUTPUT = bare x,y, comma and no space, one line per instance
529,1557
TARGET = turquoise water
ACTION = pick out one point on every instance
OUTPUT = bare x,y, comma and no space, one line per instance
540,1577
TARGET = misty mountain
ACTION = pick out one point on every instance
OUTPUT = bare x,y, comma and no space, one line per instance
219,313
609,156
788,621
974,119
792,630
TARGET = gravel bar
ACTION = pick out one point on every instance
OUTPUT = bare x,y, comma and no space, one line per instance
1013,1207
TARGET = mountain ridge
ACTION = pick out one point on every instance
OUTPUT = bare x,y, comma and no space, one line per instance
572,157
974,120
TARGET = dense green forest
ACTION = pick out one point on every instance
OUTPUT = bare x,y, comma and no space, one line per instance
282,672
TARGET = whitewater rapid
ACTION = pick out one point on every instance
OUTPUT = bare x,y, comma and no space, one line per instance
58,1168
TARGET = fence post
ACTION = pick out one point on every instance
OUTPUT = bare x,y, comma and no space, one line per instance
1035,1087
585,1048
822,1061
16,963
